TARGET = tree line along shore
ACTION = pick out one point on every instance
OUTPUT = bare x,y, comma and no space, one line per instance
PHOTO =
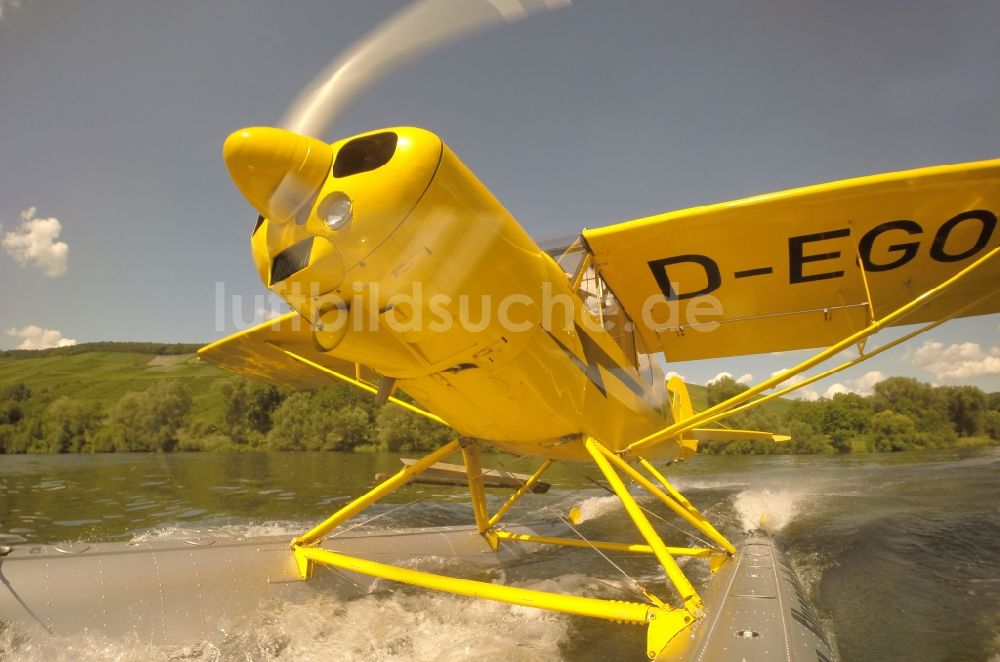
126,397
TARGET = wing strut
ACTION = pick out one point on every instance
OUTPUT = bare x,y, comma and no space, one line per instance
356,381
722,409
863,357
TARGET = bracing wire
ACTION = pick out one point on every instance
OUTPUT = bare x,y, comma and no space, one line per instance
372,519
649,512
642,590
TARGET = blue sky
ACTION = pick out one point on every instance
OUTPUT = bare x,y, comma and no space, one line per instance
113,113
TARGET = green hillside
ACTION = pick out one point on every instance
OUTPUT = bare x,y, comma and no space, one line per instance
102,397
104,376
104,372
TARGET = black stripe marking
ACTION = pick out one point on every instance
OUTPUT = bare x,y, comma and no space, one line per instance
759,271
591,370
596,355
596,358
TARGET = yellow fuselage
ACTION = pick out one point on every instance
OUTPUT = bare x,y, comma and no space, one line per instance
428,280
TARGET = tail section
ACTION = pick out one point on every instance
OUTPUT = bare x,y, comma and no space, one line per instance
681,409
680,399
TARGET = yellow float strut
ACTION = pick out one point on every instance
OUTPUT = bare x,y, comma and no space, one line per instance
664,621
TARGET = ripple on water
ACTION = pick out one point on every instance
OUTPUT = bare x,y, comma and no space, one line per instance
75,522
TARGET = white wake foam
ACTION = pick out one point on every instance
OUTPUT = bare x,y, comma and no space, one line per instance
768,509
182,531
387,627
594,507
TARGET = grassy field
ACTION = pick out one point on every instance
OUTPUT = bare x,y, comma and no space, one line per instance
105,376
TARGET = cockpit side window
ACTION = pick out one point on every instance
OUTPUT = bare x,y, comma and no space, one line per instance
603,304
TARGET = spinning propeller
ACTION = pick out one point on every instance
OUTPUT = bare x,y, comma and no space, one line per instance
280,171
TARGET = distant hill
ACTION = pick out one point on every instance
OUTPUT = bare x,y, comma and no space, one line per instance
110,346
103,372
114,396
100,397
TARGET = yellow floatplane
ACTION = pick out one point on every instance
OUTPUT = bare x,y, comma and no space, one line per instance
405,274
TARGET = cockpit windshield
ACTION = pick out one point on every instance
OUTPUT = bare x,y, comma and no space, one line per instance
571,256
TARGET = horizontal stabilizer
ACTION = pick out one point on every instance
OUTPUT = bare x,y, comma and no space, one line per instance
717,434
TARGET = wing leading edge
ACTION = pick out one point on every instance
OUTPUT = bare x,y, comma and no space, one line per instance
260,353
784,271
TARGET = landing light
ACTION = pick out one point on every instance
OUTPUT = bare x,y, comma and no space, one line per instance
335,210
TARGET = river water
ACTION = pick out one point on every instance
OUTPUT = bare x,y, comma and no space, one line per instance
900,553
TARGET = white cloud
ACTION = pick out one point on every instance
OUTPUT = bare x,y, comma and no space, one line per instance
721,375
836,389
806,392
862,385
956,361
34,243
264,314
12,4
676,374
866,382
745,378
35,337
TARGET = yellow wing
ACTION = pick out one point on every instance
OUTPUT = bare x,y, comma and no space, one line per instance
258,353
783,271
283,352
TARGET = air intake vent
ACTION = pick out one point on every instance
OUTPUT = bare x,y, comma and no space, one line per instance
290,261
364,154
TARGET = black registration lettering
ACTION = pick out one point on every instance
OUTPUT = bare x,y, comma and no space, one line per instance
713,277
797,257
906,251
988,223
